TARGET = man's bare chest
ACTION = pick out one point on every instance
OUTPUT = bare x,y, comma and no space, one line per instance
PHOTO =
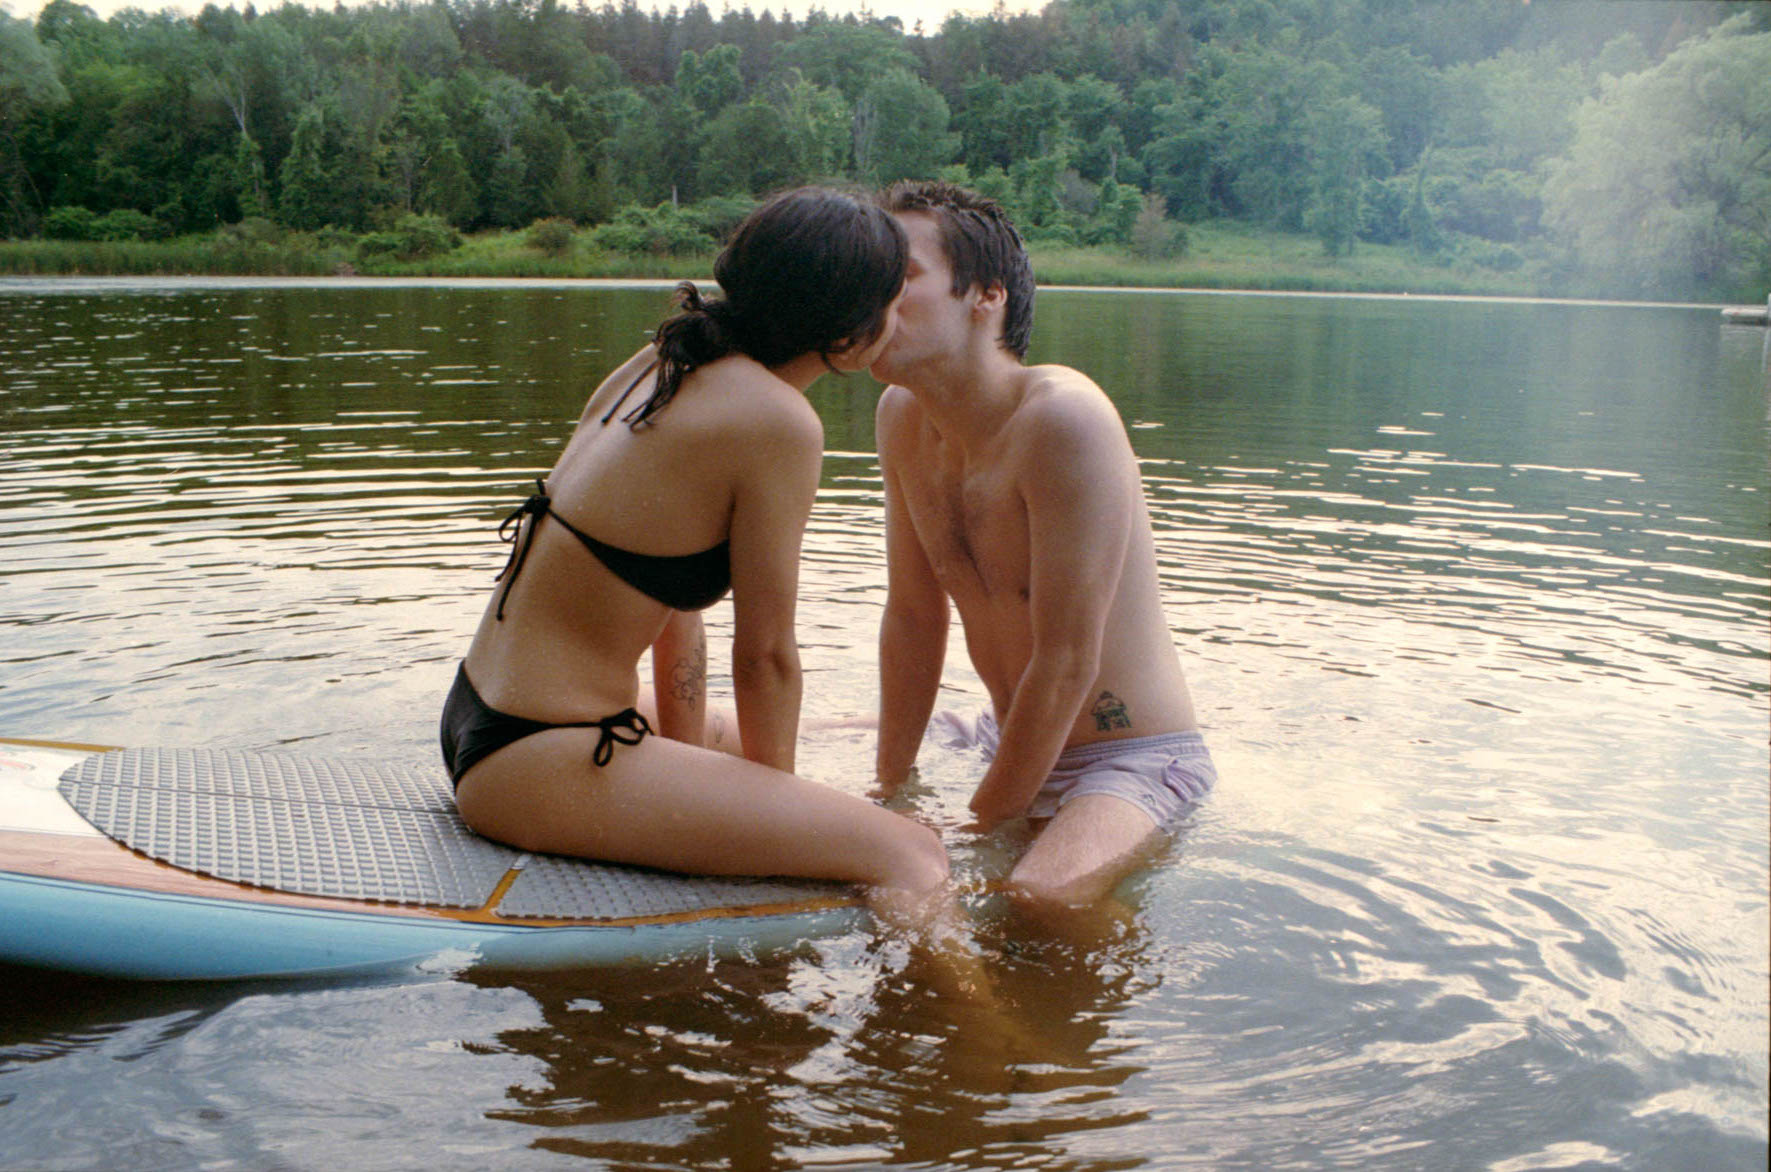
972,524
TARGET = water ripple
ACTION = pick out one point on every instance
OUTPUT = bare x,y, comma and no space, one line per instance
1484,669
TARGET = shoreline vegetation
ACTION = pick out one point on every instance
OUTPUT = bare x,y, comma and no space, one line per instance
1227,256
1583,149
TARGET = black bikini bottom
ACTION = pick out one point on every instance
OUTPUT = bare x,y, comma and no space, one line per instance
472,729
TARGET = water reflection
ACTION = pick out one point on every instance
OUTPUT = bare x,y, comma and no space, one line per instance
841,1055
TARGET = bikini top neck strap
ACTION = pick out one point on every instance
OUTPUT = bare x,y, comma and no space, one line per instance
610,413
513,533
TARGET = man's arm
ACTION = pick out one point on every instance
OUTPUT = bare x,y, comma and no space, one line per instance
1079,482
913,630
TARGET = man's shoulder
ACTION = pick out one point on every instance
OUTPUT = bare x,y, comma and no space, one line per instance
894,401
895,420
1059,402
1056,376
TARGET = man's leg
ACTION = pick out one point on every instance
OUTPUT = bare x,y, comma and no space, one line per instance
1083,853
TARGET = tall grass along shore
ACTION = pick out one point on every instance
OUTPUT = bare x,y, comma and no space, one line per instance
1216,255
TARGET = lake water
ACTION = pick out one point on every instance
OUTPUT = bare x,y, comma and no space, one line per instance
1472,595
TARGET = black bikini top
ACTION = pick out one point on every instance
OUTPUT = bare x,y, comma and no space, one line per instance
693,581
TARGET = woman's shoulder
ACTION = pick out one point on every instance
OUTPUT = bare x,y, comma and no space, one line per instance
750,399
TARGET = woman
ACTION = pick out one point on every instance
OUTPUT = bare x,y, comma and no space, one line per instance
692,471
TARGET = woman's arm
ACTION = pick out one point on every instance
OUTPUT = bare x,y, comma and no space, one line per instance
782,452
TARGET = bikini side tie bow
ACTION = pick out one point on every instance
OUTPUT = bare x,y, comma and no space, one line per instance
512,533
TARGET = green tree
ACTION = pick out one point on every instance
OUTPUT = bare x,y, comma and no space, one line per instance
507,110
569,194
1668,182
640,155
241,63
1236,140
1344,136
1502,119
1404,89
446,189
1033,117
901,129
429,47
1116,214
413,138
495,112
305,179
1039,195
28,83
984,137
248,184
847,57
654,148
1266,100
1153,235
712,82
168,147
1092,107
1418,221
1518,108
745,150
818,123
1100,158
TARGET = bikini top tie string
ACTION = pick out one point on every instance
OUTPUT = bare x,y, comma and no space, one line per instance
627,727
512,533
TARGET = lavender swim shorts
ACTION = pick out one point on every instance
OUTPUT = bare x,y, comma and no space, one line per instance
1162,775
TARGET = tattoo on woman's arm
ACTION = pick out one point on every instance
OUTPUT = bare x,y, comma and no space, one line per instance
689,677
1110,713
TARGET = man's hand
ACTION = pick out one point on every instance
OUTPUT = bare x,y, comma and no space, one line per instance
988,814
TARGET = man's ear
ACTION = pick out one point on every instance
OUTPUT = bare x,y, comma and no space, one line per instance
990,297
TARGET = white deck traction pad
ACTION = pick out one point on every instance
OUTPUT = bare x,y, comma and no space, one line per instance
552,885
353,828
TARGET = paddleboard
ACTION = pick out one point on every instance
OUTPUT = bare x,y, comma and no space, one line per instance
196,864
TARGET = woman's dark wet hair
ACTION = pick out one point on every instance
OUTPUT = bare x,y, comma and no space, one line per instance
811,271
981,245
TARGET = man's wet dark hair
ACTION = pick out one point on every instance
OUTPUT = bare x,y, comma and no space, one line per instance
981,245
810,271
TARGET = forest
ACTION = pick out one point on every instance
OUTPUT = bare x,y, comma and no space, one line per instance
1621,143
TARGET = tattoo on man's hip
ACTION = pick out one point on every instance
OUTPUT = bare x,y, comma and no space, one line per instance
1110,713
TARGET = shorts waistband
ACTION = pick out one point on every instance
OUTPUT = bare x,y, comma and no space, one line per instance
1179,744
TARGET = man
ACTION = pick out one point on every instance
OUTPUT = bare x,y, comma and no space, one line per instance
1013,491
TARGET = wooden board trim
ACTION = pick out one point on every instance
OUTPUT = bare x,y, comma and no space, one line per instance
69,746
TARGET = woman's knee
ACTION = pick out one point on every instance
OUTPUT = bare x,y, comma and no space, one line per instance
921,861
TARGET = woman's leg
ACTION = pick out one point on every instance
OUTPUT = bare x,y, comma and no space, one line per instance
680,807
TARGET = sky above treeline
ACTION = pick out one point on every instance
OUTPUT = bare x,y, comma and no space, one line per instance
930,12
